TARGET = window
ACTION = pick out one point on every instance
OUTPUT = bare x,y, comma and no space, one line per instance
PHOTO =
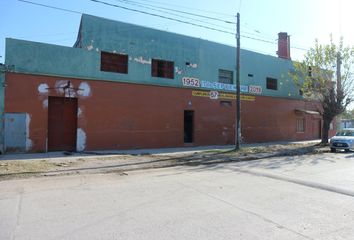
226,76
113,62
300,125
162,68
225,103
272,83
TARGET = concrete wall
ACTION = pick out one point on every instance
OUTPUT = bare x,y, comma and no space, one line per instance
2,99
126,116
142,44
136,110
103,34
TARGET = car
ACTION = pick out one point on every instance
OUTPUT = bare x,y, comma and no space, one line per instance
344,139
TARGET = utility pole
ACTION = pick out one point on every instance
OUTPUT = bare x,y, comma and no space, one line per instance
238,89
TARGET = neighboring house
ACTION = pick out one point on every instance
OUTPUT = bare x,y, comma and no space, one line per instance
347,123
124,86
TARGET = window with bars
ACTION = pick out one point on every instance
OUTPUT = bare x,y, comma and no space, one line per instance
114,62
162,68
226,76
272,83
300,125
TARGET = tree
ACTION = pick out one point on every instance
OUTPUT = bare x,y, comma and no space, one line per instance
316,78
349,114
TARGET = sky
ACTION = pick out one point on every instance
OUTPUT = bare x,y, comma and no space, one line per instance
303,20
260,21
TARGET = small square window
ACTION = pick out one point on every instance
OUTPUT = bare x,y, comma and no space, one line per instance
272,83
225,103
300,125
113,62
226,76
162,68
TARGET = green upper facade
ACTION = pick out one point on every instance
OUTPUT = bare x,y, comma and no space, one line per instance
149,56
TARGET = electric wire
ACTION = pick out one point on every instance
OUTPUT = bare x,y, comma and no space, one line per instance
189,8
178,20
157,15
47,6
184,12
171,13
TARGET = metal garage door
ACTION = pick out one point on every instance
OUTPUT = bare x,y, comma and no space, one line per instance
15,132
62,124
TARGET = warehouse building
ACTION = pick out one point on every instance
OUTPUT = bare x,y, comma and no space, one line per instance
123,86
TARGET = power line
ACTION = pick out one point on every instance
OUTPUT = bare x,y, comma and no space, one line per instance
175,10
157,9
300,48
178,20
194,9
258,39
47,6
157,15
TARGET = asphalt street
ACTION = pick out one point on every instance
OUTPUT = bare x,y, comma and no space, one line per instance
297,197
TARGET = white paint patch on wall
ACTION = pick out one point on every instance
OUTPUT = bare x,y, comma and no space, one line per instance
178,71
45,103
79,112
70,93
142,60
192,65
85,90
59,87
43,88
90,47
28,140
81,140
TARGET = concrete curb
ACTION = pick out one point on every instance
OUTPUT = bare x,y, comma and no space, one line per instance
188,160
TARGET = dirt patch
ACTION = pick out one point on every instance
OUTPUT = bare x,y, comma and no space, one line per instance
108,163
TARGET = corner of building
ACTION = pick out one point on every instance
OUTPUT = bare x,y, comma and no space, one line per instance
2,100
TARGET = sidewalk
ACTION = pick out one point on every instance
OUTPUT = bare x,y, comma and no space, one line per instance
62,163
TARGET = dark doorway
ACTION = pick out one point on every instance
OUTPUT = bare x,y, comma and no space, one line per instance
319,136
317,129
188,126
62,124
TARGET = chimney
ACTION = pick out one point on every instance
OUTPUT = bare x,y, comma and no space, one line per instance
283,45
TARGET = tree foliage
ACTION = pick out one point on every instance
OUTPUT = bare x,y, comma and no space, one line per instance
349,114
318,78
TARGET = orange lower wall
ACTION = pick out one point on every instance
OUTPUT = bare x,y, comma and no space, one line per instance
127,116
274,119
